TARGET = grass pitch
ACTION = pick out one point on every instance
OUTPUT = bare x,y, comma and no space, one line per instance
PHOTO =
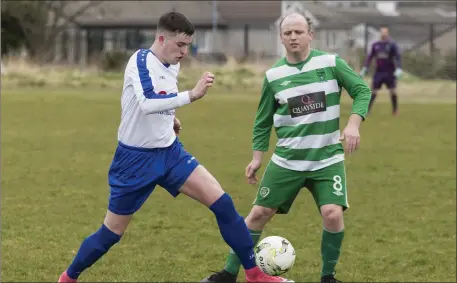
57,145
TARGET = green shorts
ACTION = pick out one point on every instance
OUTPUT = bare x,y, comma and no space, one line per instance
280,186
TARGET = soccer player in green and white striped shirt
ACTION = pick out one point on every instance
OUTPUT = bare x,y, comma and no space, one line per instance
301,100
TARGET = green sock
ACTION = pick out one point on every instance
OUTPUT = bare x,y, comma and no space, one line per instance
330,249
233,264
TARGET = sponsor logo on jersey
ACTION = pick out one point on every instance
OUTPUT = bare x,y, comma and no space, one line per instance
307,104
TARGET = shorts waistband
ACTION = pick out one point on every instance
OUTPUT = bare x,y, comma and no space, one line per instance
147,149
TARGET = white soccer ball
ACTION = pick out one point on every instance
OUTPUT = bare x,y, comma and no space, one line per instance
274,255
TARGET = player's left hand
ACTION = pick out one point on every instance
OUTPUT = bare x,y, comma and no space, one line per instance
177,126
351,137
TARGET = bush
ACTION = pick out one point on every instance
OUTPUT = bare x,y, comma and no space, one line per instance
430,67
113,61
447,68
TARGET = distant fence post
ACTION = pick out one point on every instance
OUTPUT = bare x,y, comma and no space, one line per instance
365,41
432,37
246,39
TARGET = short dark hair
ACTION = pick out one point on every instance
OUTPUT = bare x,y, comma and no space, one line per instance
175,22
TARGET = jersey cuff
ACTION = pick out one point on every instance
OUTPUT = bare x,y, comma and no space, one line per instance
362,116
183,98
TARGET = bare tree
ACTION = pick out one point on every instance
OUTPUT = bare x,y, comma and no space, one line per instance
43,21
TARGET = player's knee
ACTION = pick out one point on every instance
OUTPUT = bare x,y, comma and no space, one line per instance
331,213
224,209
260,214
103,239
117,223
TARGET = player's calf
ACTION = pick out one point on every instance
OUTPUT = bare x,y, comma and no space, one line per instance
332,239
234,231
259,216
202,186
96,245
394,101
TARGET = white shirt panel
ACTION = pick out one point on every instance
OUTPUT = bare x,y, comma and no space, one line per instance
149,99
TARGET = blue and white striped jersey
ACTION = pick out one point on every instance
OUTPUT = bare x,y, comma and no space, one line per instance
149,99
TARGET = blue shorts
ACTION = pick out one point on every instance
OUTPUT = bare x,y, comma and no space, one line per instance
135,172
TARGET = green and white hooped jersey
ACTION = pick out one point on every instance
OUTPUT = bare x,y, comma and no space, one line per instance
302,102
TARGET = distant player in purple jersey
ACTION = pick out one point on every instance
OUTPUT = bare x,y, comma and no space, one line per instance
388,67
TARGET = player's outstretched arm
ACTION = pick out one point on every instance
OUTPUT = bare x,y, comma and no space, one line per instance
152,102
261,130
397,56
361,94
367,62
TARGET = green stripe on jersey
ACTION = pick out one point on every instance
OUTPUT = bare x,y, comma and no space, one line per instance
317,128
310,154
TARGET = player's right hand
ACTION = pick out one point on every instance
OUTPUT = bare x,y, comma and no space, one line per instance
202,86
251,169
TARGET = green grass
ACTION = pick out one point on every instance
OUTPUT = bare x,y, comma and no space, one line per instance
57,145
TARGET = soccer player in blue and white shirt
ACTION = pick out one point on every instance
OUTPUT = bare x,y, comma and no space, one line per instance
149,152
388,68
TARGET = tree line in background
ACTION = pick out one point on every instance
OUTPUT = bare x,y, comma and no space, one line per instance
30,25
35,25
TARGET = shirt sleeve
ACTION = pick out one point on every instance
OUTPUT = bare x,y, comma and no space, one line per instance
356,87
397,56
369,57
143,84
264,118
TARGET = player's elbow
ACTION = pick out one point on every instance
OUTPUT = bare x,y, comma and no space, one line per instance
147,107
360,92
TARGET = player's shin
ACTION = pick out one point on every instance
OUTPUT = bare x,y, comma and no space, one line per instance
394,100
234,230
91,250
373,98
330,250
332,237
233,263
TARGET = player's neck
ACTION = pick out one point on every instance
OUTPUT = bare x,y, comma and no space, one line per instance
294,58
156,50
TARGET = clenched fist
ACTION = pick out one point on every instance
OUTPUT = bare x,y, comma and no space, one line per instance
202,86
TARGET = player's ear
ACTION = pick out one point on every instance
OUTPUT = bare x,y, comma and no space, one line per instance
281,37
161,39
311,35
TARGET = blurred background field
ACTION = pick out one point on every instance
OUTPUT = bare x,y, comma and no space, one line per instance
61,81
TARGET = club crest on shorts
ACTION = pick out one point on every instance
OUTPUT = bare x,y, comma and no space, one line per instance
264,191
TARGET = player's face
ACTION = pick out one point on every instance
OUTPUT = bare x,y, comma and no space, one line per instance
384,33
176,47
295,34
